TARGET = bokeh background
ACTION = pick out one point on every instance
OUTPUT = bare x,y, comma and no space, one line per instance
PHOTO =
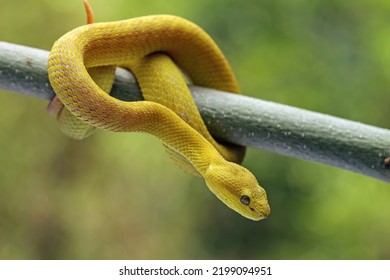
118,196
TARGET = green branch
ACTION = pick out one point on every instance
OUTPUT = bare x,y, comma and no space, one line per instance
235,118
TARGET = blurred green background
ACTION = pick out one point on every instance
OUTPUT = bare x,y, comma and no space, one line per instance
118,196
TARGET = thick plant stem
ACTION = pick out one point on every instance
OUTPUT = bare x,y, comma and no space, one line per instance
234,118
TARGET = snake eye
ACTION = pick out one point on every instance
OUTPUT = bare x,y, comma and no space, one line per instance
245,200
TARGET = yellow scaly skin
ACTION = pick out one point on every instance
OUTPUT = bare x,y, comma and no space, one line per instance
81,71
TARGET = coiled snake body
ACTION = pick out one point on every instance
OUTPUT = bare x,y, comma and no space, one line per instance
81,70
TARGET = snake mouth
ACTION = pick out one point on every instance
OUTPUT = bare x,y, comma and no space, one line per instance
262,214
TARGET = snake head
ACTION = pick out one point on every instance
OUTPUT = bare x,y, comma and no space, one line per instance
238,189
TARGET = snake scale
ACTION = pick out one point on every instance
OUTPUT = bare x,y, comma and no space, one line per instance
157,50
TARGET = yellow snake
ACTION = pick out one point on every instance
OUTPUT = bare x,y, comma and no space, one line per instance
81,71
